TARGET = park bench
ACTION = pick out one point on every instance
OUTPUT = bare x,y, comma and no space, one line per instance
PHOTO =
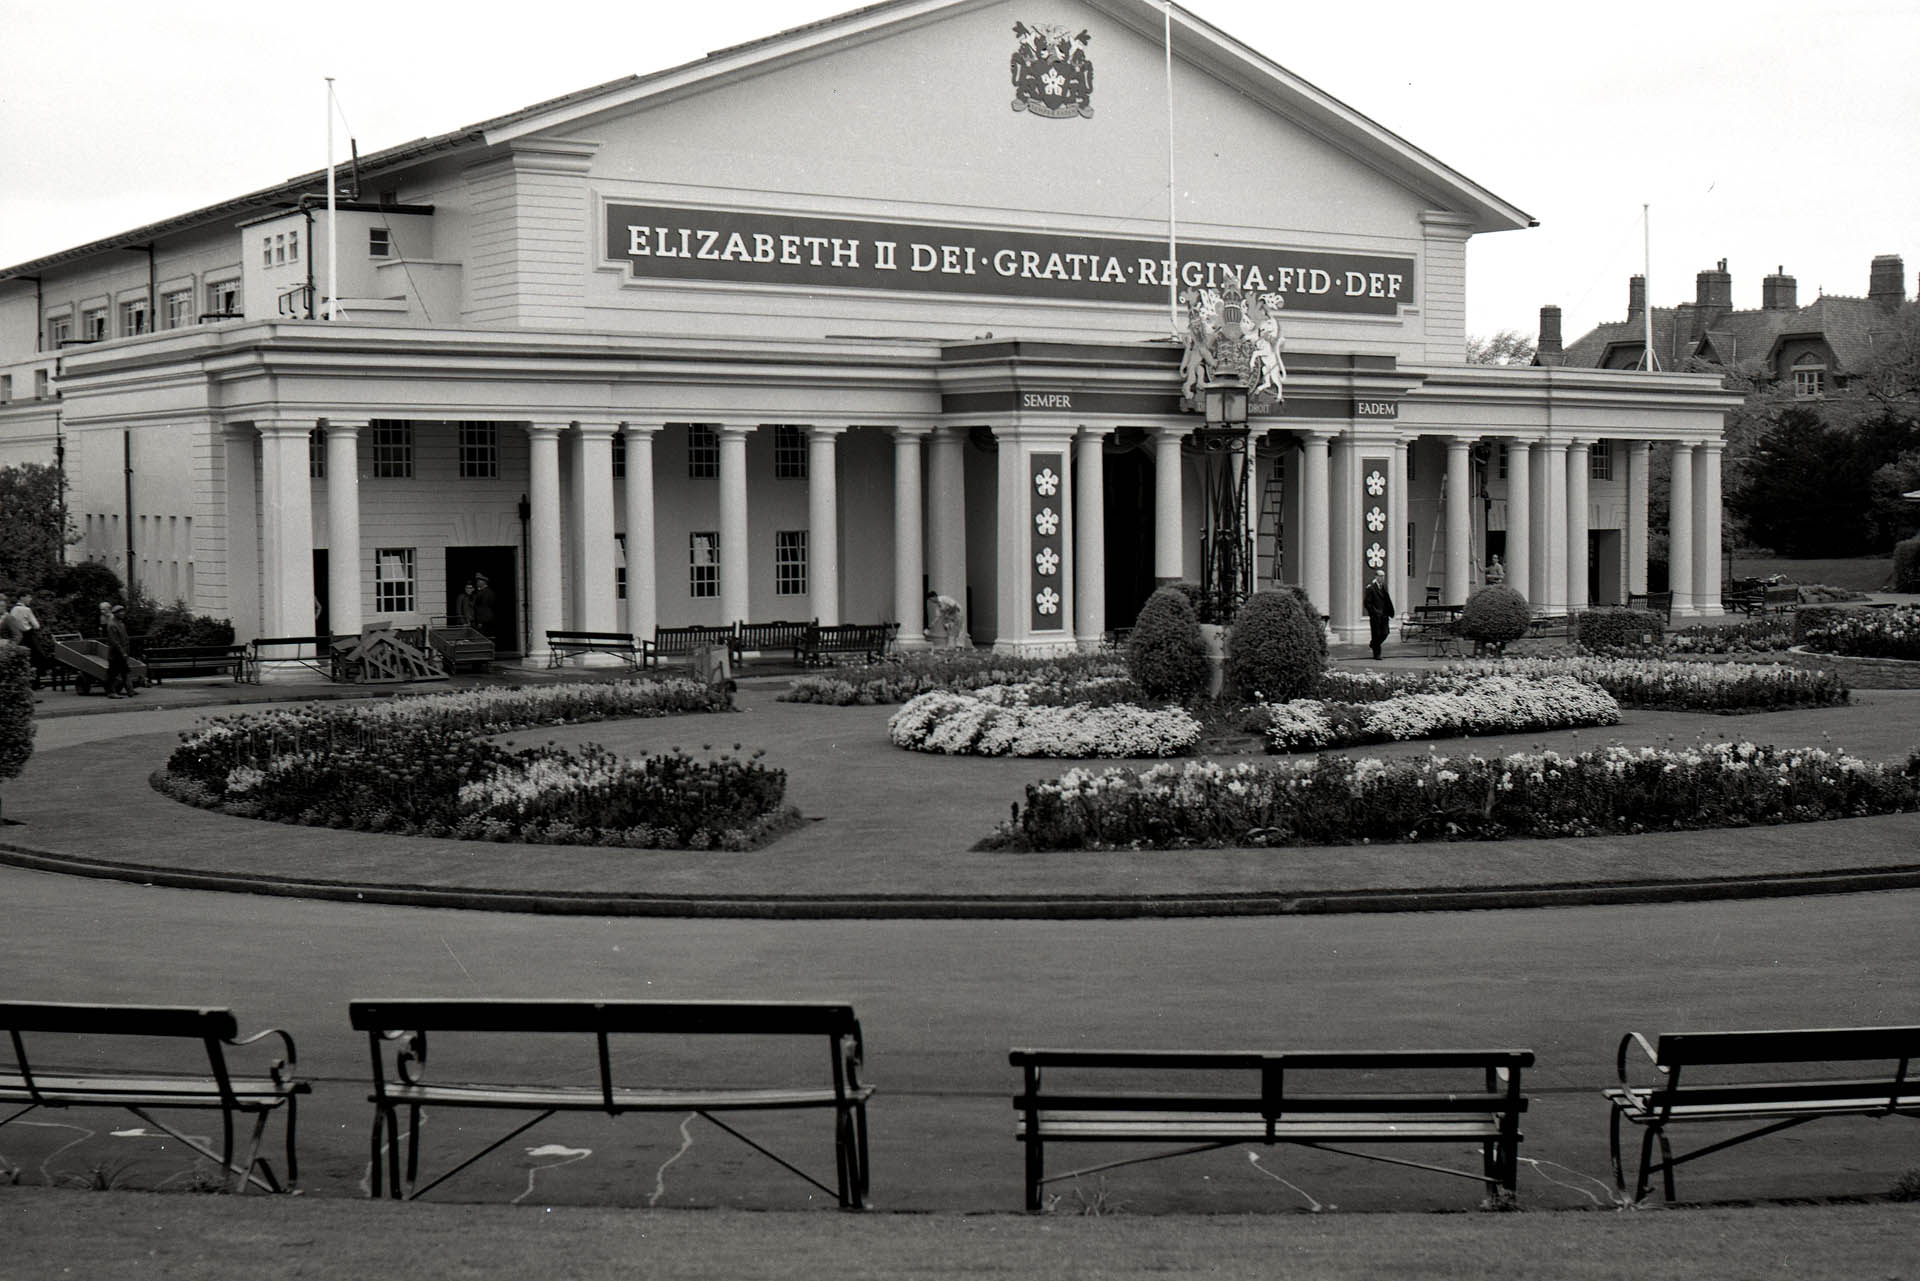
779,636
1436,627
318,654
196,660
153,1081
1328,1100
1550,626
1660,603
869,640
397,1033
564,645
1724,1077
681,642
1765,600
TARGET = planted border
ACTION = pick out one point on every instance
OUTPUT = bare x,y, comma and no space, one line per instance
1680,686
1461,705
426,767
1000,724
1341,800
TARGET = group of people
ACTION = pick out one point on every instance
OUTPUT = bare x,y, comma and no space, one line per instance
19,624
474,608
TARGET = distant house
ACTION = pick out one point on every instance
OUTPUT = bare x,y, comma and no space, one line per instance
1814,349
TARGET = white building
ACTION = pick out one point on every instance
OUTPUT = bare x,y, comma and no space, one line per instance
782,334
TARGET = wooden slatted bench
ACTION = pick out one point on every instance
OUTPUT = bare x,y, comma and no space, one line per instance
397,1033
1436,627
564,645
1660,603
680,642
779,636
1329,1100
143,1088
315,653
197,659
869,640
1692,1085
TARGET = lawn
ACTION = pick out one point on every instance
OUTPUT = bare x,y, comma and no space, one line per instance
1859,573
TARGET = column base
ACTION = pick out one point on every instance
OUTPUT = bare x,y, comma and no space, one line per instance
1049,648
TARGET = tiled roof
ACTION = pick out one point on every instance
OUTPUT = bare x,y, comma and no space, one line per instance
1847,326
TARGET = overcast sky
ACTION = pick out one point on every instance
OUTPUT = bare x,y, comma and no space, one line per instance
1766,132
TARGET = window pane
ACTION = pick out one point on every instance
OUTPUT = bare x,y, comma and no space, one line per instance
790,562
703,564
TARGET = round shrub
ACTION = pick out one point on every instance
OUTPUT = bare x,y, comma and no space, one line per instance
1276,648
1906,566
1165,655
1494,615
16,708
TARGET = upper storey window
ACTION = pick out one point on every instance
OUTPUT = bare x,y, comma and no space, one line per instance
1809,376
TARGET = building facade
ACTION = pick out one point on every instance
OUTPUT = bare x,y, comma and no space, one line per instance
778,334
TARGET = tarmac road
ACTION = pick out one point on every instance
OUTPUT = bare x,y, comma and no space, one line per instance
943,1000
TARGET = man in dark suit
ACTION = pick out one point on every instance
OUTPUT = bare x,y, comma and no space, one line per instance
482,606
1379,608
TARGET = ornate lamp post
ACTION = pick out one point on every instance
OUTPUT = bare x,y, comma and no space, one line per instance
1226,553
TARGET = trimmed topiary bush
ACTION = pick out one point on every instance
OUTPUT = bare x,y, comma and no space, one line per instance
1618,631
1276,648
1494,616
1165,655
1906,566
16,709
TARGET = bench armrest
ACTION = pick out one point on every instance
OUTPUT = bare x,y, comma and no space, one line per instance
281,1069
1620,1056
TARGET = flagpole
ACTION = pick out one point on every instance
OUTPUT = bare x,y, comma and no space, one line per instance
1173,250
1646,282
333,245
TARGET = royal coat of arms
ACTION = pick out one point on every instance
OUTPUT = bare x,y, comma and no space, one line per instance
1232,334
1052,75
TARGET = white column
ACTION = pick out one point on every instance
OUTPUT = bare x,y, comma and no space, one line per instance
1459,545
242,519
1519,558
823,522
947,514
544,609
593,495
1579,471
1680,531
1250,509
1539,578
643,597
1397,581
736,550
1706,527
1090,538
286,528
1169,526
909,560
1315,526
1557,518
1638,453
343,526
1343,541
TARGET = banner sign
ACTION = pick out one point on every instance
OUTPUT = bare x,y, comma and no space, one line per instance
1046,487
662,243
1376,513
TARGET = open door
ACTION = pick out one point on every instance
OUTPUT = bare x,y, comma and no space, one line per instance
500,616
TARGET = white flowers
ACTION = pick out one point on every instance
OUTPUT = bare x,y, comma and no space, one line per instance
1483,705
1000,725
1047,601
1376,519
1376,483
1047,561
1376,556
1046,483
1047,522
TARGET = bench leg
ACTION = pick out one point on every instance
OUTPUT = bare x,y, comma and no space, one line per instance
1036,1170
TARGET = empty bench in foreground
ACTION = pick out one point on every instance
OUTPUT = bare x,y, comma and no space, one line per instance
1331,1100
140,1058
564,645
681,642
869,640
1763,1080
623,1048
195,660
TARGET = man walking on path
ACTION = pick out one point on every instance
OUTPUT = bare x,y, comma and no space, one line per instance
1379,608
113,628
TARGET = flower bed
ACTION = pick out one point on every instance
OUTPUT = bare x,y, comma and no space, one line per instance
424,766
1868,633
1664,685
896,681
1457,705
998,723
1337,800
1770,635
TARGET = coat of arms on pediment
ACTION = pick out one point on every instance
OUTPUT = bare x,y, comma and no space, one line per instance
1052,75
1232,334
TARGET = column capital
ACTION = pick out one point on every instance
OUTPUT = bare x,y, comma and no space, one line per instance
1089,433
1554,446
631,428
1574,443
1711,446
1317,435
827,431
340,426
601,427
735,430
548,429
917,431
1178,430
279,427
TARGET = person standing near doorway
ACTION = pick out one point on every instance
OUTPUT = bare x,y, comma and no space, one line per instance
463,606
480,607
1379,609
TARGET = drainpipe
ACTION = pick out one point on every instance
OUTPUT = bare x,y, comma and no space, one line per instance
153,292
60,481
126,449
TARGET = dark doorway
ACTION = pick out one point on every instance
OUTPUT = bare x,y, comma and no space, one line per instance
322,595
501,566
1128,495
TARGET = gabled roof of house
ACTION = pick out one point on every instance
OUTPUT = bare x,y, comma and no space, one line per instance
1193,38
1846,325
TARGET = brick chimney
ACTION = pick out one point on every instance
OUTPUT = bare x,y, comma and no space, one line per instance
1779,291
1713,295
1548,351
1887,284
1636,296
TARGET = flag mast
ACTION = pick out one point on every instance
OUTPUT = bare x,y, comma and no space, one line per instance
1173,253
333,243
1646,285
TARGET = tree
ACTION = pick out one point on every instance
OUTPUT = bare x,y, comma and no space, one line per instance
1508,347
1808,489
34,525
